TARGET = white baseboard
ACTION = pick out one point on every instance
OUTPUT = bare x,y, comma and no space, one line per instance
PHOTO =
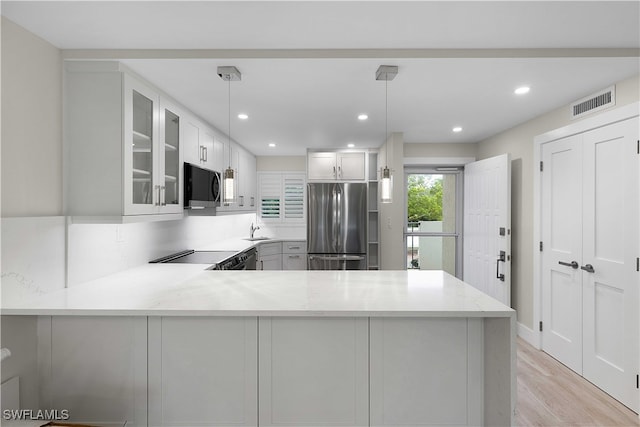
529,335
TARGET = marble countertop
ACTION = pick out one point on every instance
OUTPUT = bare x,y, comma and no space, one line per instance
189,290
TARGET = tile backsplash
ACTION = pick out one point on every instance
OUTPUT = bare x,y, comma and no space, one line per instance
97,250
41,254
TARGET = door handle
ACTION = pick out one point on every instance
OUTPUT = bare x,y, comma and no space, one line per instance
588,268
503,258
572,264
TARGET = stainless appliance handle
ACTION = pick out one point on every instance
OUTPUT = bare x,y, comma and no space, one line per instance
337,257
339,220
334,218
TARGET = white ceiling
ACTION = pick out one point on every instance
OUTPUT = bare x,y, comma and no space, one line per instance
311,98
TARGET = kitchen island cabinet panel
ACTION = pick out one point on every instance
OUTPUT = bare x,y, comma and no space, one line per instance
203,371
426,372
96,367
314,372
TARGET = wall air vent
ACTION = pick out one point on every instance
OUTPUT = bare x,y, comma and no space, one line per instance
599,101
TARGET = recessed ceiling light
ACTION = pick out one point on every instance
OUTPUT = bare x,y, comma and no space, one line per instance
243,116
351,145
363,117
522,90
272,145
457,129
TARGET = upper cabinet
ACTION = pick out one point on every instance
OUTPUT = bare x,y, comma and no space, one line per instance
123,145
201,146
344,166
244,166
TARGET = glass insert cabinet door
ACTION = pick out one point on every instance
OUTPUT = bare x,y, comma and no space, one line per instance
170,189
142,150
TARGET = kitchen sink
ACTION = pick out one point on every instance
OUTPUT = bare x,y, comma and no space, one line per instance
253,239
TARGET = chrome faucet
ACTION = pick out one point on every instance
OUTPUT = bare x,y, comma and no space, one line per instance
252,230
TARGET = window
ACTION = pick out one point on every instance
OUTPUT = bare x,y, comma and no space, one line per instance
434,219
281,197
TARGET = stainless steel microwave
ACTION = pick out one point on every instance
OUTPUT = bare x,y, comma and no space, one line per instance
201,187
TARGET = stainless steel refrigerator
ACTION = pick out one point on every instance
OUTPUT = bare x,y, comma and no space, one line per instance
337,226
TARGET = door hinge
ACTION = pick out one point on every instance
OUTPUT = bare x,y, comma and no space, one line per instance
540,246
541,166
541,326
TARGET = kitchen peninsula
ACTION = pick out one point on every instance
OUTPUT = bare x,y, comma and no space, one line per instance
247,348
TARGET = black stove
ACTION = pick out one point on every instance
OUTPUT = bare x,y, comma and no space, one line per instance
217,260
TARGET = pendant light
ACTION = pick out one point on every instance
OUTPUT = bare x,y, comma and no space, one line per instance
386,73
228,74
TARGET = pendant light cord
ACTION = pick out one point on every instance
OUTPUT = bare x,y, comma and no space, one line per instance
386,120
229,81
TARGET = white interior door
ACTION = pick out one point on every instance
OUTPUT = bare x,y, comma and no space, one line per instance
610,245
590,210
562,240
487,226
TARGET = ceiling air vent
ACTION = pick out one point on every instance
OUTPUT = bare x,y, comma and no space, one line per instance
599,101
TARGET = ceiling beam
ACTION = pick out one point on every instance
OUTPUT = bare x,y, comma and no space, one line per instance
105,54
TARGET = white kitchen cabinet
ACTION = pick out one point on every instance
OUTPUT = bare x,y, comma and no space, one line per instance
123,146
203,371
244,165
202,148
344,166
269,256
426,371
294,255
313,371
95,367
171,157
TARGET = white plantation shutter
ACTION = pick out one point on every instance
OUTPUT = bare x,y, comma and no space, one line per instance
270,196
293,189
282,197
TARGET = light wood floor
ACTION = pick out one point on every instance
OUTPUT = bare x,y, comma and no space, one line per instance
550,394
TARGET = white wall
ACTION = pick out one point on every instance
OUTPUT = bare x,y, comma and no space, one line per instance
281,163
519,142
440,150
31,124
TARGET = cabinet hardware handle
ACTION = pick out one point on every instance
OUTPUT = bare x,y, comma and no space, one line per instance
294,256
334,172
206,154
261,265
339,172
157,189
253,201
163,198
572,264
588,268
241,204
201,153
294,247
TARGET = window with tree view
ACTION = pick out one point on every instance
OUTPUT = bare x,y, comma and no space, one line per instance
433,220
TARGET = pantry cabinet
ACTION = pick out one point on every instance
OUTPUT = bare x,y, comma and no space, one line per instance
344,166
123,145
